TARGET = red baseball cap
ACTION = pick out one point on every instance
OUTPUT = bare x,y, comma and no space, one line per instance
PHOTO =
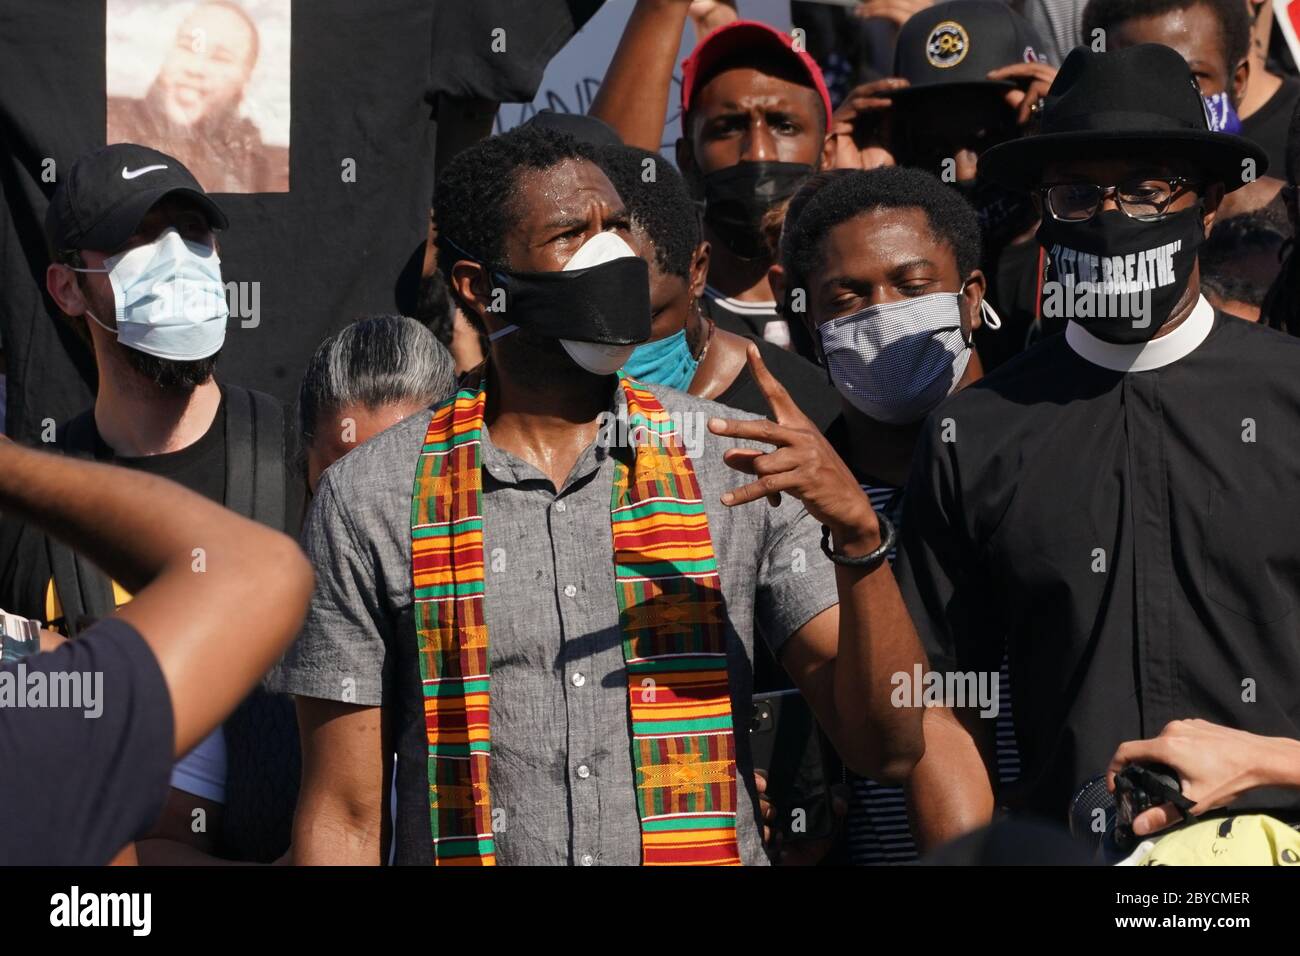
746,35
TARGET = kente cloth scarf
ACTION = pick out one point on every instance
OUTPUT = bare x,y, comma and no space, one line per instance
670,614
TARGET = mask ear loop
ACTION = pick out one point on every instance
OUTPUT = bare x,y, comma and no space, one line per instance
991,318
112,332
494,278
82,293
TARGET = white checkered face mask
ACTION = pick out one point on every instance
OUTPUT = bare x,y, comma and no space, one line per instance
895,362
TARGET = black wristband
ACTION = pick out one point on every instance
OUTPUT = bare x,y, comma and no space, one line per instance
867,562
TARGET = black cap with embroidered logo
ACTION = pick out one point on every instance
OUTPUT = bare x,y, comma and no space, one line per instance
101,200
959,43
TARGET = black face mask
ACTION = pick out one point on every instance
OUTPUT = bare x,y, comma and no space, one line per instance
608,303
1002,213
737,198
1118,277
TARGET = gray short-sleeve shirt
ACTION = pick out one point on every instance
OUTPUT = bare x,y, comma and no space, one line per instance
561,774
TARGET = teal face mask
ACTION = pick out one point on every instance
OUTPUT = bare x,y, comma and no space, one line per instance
666,362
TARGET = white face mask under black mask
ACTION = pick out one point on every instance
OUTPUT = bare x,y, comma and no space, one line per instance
895,362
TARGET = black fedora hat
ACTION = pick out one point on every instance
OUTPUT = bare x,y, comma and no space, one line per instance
1104,103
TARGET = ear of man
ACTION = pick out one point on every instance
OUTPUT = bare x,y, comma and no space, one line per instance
700,269
473,288
64,287
1239,78
1210,201
972,297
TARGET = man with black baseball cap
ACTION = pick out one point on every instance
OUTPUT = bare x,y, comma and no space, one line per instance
1104,505
135,270
968,74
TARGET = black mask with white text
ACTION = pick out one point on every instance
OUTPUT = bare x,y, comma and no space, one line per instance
736,199
1118,277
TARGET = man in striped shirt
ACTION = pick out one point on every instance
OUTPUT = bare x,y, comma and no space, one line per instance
888,261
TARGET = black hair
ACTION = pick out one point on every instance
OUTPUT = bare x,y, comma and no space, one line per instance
1233,246
172,375
434,308
658,201
951,218
474,199
1234,22
795,206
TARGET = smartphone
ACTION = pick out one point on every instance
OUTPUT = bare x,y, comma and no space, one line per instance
790,750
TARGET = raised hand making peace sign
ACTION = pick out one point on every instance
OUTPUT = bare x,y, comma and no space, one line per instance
803,465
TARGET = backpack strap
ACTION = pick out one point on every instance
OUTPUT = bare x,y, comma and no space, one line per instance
255,456
85,592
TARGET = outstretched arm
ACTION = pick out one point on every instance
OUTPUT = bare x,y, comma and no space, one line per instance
845,658
633,97
202,576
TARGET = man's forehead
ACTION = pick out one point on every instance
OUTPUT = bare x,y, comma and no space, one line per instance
888,236
744,87
568,185
1183,31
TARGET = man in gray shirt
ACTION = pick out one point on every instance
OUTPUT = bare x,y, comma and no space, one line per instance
562,787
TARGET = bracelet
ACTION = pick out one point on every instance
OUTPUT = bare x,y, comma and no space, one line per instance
868,562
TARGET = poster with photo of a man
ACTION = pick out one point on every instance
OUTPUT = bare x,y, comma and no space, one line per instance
206,82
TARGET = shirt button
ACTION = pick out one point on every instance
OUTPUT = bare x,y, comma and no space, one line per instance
588,859
584,771
579,678
570,590
561,507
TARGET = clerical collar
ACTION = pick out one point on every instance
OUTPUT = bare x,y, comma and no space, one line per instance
1143,356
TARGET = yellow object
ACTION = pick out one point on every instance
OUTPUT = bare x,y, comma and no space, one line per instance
1246,840
54,607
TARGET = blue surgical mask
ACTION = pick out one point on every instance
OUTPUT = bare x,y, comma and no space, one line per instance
1221,114
666,362
169,299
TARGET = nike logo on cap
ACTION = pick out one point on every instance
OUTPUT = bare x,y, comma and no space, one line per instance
133,173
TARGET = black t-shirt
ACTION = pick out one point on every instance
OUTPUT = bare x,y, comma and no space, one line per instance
76,790
757,320
26,585
465,65
806,383
1268,125
357,82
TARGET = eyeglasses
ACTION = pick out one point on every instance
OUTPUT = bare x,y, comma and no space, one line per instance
1140,198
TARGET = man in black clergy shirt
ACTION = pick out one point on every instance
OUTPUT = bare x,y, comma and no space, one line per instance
1106,505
